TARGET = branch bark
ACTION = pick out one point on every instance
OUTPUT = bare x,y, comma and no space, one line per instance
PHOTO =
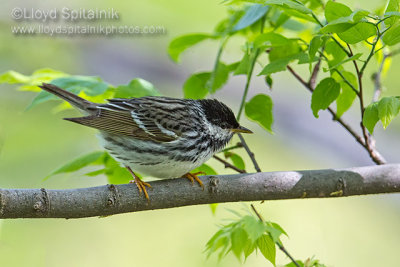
114,199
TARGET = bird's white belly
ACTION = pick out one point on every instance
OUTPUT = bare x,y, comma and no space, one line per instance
158,166
165,169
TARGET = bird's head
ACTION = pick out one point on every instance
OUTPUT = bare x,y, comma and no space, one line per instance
220,115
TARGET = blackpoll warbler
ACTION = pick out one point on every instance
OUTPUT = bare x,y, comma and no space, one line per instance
157,136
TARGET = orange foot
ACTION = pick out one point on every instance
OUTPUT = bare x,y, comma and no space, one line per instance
193,176
139,183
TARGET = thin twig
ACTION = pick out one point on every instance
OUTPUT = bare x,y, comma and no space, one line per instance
281,247
228,165
314,74
375,155
368,139
238,145
250,153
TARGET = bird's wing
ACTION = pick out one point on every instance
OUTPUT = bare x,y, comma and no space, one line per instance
138,118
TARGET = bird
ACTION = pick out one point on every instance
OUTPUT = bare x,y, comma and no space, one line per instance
157,136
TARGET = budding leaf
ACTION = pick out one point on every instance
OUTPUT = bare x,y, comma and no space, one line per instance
324,94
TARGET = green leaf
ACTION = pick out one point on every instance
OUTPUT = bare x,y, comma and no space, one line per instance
275,66
248,249
279,228
392,36
219,241
252,14
259,109
253,226
95,173
392,6
136,88
335,10
90,85
353,57
218,78
290,50
371,116
181,43
244,65
114,172
324,94
343,23
267,248
12,77
206,169
336,54
236,160
239,240
81,162
299,263
298,6
388,108
271,39
336,27
195,85
360,32
347,94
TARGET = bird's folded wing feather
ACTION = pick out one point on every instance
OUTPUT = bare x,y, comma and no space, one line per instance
124,118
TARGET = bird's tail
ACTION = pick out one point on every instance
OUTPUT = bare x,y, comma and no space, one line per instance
71,98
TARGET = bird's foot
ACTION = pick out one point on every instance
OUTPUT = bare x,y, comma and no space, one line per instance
139,183
193,176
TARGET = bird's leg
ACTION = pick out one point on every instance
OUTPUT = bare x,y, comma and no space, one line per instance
193,176
139,183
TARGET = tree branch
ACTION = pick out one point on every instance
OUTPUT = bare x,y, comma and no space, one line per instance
114,199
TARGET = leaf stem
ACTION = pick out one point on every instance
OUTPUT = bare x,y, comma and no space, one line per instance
250,73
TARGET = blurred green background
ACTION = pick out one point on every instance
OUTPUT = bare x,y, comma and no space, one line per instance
357,231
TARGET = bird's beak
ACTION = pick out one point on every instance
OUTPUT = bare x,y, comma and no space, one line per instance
241,129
